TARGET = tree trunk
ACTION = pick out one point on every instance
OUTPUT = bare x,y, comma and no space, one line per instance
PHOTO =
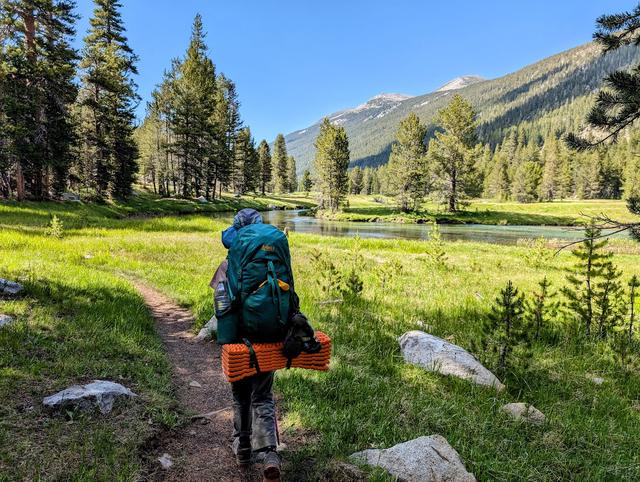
19,182
454,195
631,312
589,292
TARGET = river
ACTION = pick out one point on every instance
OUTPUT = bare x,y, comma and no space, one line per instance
451,232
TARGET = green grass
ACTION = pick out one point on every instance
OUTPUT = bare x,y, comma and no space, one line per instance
80,320
82,215
364,208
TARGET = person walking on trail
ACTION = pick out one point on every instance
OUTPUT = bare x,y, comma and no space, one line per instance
256,302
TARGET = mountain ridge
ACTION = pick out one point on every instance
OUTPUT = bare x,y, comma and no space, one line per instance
554,86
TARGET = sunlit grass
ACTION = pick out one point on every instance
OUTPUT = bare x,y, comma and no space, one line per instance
81,320
483,211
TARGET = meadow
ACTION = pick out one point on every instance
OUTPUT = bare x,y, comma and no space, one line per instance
372,208
81,319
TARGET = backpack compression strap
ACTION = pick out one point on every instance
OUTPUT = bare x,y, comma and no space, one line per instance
253,358
272,277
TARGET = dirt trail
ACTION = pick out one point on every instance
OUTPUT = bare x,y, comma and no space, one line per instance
200,451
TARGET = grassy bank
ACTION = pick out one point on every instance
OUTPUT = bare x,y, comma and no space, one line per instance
79,320
560,213
82,215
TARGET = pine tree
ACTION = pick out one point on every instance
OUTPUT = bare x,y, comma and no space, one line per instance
368,175
631,186
591,263
634,284
505,330
227,123
246,163
307,182
541,307
195,123
37,70
356,180
194,95
498,183
616,105
408,164
608,300
453,154
264,158
292,177
280,161
108,99
526,182
331,163
549,183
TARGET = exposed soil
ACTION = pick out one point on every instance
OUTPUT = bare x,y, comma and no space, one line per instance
200,451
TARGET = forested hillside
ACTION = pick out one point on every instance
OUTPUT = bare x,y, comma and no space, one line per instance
547,97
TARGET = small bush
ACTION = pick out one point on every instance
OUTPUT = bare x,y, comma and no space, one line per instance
537,254
388,270
505,341
541,308
328,278
352,283
435,250
55,228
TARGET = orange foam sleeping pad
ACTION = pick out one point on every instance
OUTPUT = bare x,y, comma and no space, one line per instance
236,358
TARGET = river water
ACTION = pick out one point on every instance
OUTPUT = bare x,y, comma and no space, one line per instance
452,232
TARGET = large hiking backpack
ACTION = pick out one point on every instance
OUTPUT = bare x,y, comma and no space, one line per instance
260,286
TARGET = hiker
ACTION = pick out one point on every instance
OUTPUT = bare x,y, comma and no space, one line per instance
255,302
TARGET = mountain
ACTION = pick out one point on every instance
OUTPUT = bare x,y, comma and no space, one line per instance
460,82
551,95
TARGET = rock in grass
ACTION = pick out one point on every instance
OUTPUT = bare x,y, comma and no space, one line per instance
597,380
437,355
99,393
207,331
5,320
418,460
9,288
202,200
524,411
70,196
166,462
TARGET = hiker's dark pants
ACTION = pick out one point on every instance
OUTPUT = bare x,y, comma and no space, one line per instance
254,412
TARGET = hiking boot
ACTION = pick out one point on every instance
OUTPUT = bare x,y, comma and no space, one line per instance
271,466
242,452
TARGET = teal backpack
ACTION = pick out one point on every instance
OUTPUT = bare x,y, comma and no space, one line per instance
259,285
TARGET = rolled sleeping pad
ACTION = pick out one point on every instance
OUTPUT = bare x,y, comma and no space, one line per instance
236,358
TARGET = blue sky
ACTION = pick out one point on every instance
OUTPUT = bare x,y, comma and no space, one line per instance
294,61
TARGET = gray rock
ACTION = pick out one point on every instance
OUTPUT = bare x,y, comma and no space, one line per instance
194,384
99,393
207,331
597,380
419,460
166,462
70,196
5,320
202,200
437,355
10,288
524,411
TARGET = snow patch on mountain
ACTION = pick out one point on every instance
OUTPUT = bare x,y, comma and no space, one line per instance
460,82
